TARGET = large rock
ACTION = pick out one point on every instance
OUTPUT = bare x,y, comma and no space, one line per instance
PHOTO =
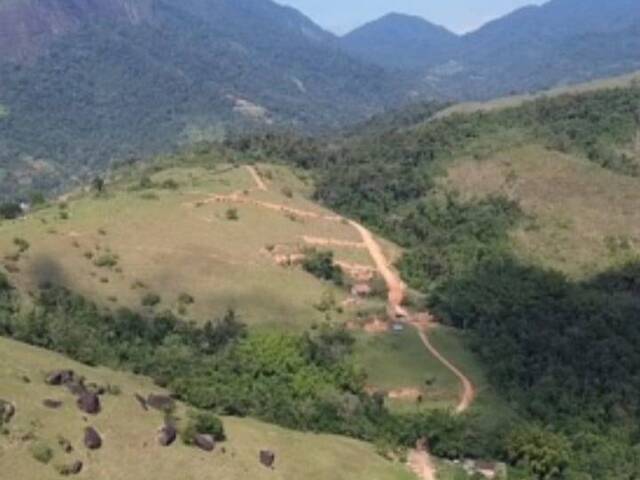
89,403
92,439
204,442
160,402
267,458
7,411
167,435
60,377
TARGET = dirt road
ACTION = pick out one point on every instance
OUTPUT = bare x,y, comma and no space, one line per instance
420,463
468,394
397,288
257,178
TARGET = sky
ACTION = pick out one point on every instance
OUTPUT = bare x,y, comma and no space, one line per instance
341,16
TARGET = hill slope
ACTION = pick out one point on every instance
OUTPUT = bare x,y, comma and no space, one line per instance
88,82
130,448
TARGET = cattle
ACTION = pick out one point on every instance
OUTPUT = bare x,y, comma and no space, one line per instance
92,439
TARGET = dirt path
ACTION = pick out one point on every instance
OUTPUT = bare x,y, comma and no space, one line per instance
326,242
468,390
420,463
397,291
397,288
257,178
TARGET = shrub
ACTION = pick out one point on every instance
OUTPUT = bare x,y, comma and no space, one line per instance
205,423
41,451
21,243
320,264
151,300
170,184
10,210
232,214
107,260
185,299
287,192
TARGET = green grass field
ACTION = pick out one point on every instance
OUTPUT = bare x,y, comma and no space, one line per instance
172,241
130,450
583,219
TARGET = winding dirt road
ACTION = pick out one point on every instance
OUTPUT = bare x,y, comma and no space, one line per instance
419,459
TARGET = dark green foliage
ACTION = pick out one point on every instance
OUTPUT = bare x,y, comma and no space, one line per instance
10,210
22,244
201,422
320,264
150,299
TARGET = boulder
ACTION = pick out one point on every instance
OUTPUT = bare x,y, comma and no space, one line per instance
167,435
72,469
89,403
60,377
204,442
76,387
163,403
92,439
267,458
7,411
50,403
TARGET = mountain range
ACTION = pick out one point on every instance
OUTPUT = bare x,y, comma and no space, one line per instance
535,47
89,82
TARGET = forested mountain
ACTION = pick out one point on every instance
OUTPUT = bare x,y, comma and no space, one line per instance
536,47
401,42
86,81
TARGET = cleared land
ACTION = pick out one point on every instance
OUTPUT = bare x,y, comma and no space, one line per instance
171,241
583,219
130,449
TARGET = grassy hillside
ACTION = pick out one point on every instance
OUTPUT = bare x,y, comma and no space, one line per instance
171,241
130,448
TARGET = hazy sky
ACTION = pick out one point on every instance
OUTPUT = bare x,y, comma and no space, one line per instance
341,16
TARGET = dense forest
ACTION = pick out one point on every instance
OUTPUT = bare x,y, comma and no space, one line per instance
563,353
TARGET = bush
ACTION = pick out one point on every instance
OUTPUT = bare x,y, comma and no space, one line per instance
185,299
41,451
107,260
10,210
320,264
204,423
232,214
170,184
151,300
21,243
287,192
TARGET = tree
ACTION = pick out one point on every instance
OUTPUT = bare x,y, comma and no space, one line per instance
544,453
98,184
